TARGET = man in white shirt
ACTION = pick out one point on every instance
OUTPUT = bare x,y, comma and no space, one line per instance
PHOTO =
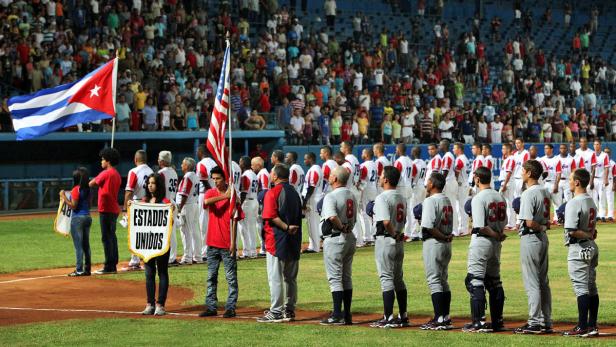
381,161
170,176
451,185
520,156
347,149
405,166
311,195
446,127
496,132
600,179
204,167
297,126
460,166
408,122
609,190
567,165
488,160
507,186
477,162
554,176
368,179
434,164
418,175
136,185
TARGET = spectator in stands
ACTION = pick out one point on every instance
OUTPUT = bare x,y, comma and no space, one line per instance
122,113
150,115
255,121
336,126
297,128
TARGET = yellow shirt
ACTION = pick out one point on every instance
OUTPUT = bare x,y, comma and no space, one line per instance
363,125
140,99
568,134
388,110
438,114
586,71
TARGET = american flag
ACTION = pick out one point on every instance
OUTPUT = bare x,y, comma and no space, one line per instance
218,122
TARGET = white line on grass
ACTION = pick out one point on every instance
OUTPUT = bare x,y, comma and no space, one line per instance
103,311
31,278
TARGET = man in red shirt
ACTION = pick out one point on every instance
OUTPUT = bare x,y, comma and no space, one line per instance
221,239
108,183
282,220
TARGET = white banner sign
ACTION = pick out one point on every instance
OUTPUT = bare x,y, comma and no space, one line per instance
149,229
62,223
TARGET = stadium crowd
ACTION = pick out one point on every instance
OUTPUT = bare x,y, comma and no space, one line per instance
322,88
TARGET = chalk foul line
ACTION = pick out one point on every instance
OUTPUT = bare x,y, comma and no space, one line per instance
31,279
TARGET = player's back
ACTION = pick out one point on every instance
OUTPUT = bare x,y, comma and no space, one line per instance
171,182
580,214
390,205
492,207
437,210
341,203
535,205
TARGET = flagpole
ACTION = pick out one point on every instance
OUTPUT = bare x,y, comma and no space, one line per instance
114,82
232,231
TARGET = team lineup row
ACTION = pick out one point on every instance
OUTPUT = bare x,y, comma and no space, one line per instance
251,178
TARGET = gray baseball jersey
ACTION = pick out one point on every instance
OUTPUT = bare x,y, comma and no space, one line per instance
489,210
580,214
389,253
437,213
535,205
390,206
342,203
338,251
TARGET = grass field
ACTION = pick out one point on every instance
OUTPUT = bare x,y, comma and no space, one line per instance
29,244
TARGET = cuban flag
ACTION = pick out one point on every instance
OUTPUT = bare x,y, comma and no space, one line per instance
89,99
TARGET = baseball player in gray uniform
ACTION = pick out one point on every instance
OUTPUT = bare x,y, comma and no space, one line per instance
436,231
390,218
583,257
534,221
489,213
338,218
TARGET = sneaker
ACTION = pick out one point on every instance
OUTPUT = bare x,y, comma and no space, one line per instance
429,325
348,320
261,254
593,331
415,239
160,311
270,317
289,316
174,263
603,219
398,323
499,326
308,251
547,329
444,325
381,323
230,313
75,274
611,220
528,329
104,272
149,310
332,321
208,313
186,262
132,268
577,331
197,261
477,327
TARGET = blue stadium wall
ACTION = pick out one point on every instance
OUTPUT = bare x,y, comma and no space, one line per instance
57,155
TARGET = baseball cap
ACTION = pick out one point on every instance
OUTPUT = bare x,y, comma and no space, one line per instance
468,207
516,205
560,213
417,211
370,208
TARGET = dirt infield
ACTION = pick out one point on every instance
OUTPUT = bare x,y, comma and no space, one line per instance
49,295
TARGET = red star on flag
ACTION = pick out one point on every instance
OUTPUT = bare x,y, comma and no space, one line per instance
97,92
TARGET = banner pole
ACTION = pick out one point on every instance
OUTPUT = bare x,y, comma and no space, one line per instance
113,126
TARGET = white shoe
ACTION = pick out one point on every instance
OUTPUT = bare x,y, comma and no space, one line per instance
160,311
149,310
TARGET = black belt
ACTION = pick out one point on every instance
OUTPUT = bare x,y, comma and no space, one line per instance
331,234
250,198
384,235
529,233
574,240
426,236
480,234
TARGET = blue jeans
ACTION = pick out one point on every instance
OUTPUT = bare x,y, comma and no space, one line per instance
110,240
214,257
80,231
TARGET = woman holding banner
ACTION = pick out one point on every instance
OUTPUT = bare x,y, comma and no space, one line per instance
81,221
155,194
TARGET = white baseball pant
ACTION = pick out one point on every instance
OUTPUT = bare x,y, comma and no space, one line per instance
557,198
451,191
173,244
598,195
417,197
508,196
248,228
367,195
609,197
203,221
458,207
564,187
313,220
191,235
